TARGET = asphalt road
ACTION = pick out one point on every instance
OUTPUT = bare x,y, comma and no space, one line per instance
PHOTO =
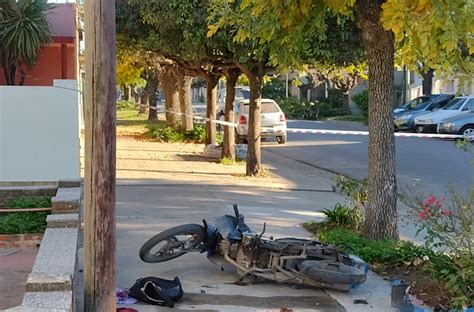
430,165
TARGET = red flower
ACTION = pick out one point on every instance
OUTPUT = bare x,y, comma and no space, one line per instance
422,214
446,212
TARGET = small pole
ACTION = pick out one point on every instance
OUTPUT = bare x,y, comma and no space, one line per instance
99,180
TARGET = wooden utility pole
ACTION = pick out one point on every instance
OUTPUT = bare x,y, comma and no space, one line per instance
99,181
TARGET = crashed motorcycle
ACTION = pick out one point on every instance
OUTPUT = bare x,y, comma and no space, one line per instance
284,260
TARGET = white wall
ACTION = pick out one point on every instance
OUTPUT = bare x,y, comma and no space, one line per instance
39,133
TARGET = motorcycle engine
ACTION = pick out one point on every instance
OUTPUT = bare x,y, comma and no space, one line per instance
246,250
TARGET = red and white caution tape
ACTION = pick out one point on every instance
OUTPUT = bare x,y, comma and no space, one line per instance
316,131
205,119
398,134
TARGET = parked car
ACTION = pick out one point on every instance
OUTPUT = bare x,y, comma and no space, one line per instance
241,93
273,121
404,117
459,106
462,124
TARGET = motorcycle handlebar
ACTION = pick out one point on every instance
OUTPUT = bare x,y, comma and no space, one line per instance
236,210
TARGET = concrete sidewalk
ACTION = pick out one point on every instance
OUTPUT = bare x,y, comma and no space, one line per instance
181,187
143,211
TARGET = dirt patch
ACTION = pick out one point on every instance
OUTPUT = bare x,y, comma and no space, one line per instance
423,286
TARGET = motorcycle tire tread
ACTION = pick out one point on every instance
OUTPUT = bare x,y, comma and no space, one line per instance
180,229
332,272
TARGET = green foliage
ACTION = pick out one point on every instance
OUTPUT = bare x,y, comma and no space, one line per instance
387,252
361,99
334,98
230,162
125,105
30,202
24,29
301,109
274,89
25,222
439,34
354,189
455,272
340,215
354,118
196,135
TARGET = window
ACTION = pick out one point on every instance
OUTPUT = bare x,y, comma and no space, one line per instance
242,94
469,105
455,104
267,107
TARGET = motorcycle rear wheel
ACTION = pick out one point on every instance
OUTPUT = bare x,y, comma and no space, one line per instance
173,247
332,272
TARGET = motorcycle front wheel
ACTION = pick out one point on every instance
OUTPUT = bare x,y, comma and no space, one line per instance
172,243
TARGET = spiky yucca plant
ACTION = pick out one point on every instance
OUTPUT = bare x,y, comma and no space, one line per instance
24,30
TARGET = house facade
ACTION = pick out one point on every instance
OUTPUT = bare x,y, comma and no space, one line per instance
59,59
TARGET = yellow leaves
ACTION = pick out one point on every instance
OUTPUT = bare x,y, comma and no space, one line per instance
340,6
423,6
211,30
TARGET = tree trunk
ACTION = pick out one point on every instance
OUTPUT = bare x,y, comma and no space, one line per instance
143,109
185,102
254,166
170,89
134,94
427,81
152,86
381,213
228,147
144,101
345,103
11,75
211,92
126,94
22,74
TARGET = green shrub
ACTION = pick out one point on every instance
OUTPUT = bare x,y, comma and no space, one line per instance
163,134
301,109
387,252
25,222
361,99
125,105
454,271
340,215
274,89
196,135
334,99
30,202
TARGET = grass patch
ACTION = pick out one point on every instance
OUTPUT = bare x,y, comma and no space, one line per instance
376,252
25,222
230,162
357,118
131,122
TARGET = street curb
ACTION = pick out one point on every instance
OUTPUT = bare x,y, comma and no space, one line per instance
124,183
